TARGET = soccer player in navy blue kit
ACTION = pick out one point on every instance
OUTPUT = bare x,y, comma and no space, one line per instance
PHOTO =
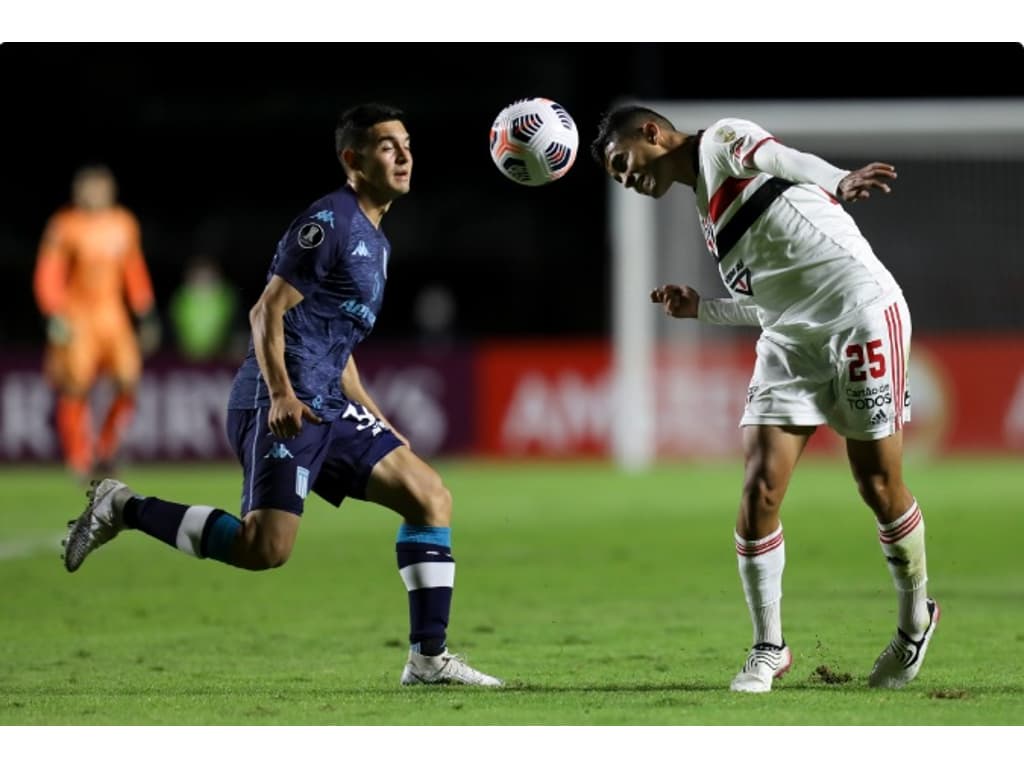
299,417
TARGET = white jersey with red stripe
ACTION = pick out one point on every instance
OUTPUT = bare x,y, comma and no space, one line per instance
803,263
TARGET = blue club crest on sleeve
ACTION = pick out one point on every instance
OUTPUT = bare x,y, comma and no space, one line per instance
325,216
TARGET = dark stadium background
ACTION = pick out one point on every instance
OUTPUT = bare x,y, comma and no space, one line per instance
217,146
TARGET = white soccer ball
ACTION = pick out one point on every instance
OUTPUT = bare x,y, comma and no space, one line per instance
534,141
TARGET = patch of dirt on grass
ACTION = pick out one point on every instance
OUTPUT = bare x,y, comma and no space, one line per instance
825,674
948,693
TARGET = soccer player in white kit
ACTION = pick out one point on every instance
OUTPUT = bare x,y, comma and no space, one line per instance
833,349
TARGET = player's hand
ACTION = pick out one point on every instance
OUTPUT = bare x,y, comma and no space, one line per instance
858,184
150,333
286,415
58,330
678,300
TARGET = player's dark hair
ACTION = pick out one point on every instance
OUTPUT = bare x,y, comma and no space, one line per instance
90,170
619,123
354,123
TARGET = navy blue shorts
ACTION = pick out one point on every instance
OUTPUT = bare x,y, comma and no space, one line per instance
334,460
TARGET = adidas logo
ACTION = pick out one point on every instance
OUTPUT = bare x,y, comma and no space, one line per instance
361,250
879,418
278,451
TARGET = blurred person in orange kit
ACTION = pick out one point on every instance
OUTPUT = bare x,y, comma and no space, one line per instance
90,262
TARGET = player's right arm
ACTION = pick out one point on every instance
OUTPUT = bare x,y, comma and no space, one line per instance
684,301
266,319
304,256
50,281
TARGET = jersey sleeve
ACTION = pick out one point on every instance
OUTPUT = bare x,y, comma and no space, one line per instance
137,282
727,312
744,149
308,250
801,167
50,282
730,144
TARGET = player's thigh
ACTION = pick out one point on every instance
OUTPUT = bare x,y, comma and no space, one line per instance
791,385
872,396
277,474
121,357
405,483
358,444
876,457
72,367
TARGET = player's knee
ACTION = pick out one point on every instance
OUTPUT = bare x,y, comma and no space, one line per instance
434,503
261,549
73,389
269,554
126,387
760,494
878,491
439,506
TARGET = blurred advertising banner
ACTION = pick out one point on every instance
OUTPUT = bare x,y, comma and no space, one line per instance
180,408
425,392
556,399
179,411
540,400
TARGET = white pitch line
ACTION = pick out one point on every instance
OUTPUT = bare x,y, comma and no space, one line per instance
27,546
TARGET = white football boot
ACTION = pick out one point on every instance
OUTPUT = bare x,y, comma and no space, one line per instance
442,669
99,523
900,662
765,662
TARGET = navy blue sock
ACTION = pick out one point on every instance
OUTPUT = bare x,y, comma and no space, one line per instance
200,531
427,567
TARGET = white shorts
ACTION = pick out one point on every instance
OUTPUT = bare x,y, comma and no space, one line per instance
854,380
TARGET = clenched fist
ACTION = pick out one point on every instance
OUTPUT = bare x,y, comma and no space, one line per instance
678,300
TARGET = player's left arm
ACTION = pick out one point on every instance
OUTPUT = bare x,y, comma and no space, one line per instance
805,168
139,289
353,388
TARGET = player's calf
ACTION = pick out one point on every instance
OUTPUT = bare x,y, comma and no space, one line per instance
198,530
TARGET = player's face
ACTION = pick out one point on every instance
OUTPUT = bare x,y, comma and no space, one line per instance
387,159
94,192
639,163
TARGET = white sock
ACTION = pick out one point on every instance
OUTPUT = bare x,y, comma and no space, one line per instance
761,563
903,546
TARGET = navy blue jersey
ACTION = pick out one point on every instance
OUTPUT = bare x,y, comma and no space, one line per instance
338,261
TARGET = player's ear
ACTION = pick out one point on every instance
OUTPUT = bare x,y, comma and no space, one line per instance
349,158
650,131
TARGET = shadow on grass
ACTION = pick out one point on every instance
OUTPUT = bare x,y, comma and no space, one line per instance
293,691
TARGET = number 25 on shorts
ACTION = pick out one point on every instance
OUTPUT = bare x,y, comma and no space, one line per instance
865,359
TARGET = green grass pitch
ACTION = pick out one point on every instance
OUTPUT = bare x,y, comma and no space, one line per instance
602,598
